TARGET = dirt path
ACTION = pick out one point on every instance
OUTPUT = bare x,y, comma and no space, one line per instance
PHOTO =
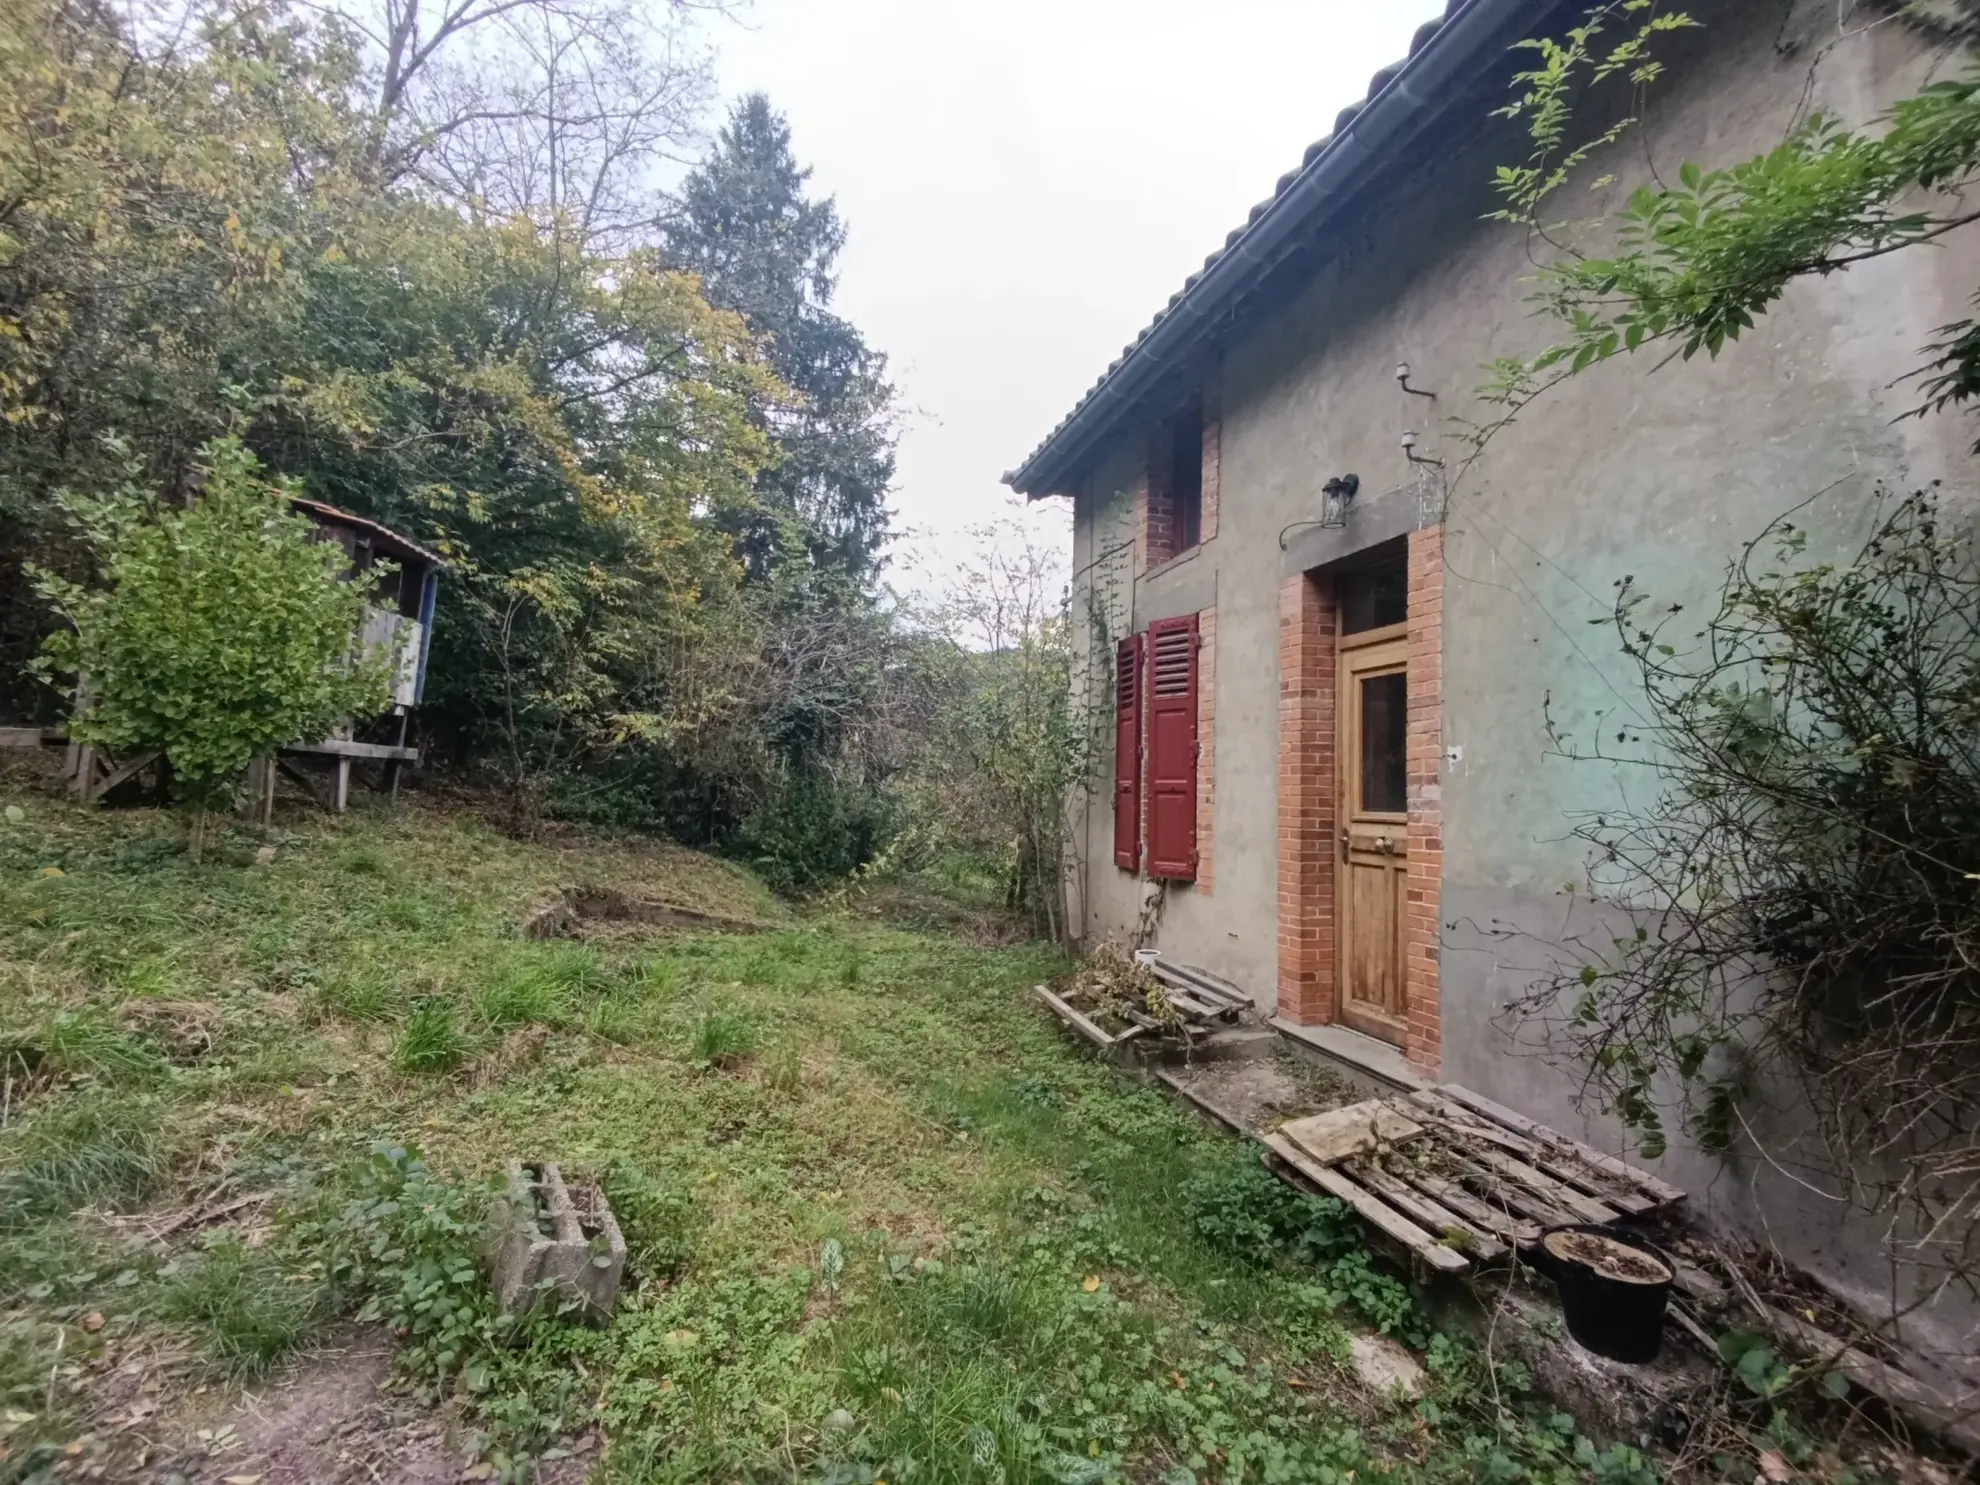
327,1420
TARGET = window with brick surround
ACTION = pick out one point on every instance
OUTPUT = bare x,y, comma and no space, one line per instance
1186,474
1175,515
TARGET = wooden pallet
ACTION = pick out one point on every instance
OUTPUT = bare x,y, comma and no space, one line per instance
1202,1003
1498,1177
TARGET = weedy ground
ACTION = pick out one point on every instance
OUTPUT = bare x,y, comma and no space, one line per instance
886,1224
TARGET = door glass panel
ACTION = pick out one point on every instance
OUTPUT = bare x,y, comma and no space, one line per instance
1384,735
1375,598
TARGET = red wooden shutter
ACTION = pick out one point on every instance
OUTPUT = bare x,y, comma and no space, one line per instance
1171,705
1127,753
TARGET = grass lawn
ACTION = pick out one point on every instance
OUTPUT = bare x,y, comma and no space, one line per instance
886,1224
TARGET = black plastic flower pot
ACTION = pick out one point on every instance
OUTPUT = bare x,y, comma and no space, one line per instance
1614,1288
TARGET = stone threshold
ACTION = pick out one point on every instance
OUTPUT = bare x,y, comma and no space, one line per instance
1362,1059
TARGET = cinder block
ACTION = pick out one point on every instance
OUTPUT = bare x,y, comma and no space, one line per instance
550,1245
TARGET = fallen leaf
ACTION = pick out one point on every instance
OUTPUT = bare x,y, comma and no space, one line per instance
890,1394
681,1338
93,1322
1774,1467
243,1480
15,814
1182,1382
53,871
72,1450
1297,1382
1092,1283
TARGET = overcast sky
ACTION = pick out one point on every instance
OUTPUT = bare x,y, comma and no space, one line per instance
1027,181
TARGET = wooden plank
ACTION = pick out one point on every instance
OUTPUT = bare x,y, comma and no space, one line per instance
1433,1215
1917,1400
1555,1162
337,747
1354,1130
1480,1214
1088,1029
122,774
20,737
1371,1208
1663,1191
1202,982
1193,1005
1558,1193
1150,1023
1498,1191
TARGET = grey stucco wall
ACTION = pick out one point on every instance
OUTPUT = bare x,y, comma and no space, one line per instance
1659,474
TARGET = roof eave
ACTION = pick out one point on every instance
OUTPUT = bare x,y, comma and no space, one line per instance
1409,102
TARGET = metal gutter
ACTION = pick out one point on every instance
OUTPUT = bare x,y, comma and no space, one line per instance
1414,96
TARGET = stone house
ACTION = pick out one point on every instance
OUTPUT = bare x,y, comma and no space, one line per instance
1330,778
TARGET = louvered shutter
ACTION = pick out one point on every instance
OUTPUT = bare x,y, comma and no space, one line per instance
1171,706
1127,753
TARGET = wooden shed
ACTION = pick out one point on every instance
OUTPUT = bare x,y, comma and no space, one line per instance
399,613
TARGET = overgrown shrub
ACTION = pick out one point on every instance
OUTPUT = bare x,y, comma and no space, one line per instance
814,828
1801,892
222,631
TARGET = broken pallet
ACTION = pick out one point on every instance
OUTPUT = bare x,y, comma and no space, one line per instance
1495,1178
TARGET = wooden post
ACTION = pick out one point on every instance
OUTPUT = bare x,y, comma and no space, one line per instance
394,767
261,792
340,794
73,761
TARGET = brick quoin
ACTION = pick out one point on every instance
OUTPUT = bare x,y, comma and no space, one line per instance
1422,938
1308,644
1141,496
1213,468
1309,628
1206,745
1157,503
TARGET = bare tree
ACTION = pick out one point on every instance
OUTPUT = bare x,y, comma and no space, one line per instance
557,110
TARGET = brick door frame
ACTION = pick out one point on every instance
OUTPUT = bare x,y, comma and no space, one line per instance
1309,856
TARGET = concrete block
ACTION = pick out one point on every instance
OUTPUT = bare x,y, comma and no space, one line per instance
552,1245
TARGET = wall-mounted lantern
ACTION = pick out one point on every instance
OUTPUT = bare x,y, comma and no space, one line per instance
1335,498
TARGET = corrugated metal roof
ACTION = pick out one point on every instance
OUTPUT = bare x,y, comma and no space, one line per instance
1028,474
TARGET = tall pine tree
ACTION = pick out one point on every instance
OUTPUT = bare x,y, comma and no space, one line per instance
766,250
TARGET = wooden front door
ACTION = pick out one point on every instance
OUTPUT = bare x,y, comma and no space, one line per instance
1374,814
